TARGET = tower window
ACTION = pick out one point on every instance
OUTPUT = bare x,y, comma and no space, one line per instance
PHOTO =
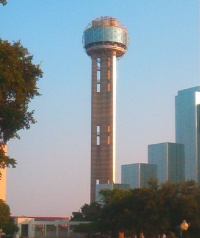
98,135
108,73
98,140
109,62
98,64
98,75
98,130
109,128
108,140
98,87
108,87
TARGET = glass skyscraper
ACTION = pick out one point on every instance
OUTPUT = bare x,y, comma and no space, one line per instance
137,175
169,157
187,110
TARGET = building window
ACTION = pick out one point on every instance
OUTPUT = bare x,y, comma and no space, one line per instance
108,74
108,62
98,140
109,128
98,135
98,64
98,74
98,88
108,139
108,87
98,130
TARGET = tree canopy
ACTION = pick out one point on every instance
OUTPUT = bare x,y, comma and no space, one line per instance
18,86
6,225
4,211
153,210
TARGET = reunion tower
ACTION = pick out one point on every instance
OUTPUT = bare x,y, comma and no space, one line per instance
105,40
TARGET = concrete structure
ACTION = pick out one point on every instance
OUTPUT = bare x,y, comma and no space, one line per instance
137,175
3,181
46,227
169,158
187,109
104,40
109,186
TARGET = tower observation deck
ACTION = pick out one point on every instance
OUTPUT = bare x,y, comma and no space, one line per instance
104,40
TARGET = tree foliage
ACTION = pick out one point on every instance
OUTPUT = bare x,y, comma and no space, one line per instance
153,210
4,212
18,86
87,212
9,228
6,225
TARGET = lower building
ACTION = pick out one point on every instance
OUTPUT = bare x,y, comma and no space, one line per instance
46,227
137,175
170,160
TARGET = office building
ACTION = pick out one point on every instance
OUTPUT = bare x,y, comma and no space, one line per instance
46,227
187,110
105,40
137,175
169,158
3,181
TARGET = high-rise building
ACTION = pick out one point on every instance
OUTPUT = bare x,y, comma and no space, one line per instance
169,158
187,110
105,40
3,181
138,175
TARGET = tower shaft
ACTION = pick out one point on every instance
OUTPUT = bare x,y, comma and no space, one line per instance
104,40
103,119
3,180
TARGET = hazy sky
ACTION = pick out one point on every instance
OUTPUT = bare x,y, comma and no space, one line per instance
52,177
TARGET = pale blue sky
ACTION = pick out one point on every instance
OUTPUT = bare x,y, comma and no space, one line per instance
53,172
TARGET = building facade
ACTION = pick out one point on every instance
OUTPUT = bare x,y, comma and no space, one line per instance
187,121
170,159
137,175
3,181
46,227
104,40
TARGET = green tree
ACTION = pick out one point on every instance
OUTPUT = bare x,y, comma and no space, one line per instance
18,79
9,228
152,210
76,216
88,212
4,212
91,212
189,204
6,225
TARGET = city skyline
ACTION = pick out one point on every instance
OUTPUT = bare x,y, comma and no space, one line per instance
54,155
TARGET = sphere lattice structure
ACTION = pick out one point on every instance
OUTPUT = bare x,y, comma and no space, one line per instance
105,34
